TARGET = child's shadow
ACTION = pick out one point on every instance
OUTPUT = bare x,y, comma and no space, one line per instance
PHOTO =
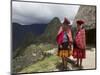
60,67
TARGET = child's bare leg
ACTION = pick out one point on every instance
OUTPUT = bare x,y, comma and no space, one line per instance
81,62
77,62
65,62
62,61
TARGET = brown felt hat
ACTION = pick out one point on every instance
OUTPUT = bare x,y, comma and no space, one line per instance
66,21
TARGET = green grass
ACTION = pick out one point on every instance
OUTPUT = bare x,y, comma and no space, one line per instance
48,64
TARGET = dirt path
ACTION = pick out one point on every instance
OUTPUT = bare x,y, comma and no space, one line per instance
89,62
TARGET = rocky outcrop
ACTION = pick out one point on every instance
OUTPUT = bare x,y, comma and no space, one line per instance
88,14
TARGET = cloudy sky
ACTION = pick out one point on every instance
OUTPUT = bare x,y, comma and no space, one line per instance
30,13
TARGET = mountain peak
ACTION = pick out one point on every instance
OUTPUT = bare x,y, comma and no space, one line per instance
55,19
51,30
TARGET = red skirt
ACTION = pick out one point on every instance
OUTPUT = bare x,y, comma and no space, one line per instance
79,53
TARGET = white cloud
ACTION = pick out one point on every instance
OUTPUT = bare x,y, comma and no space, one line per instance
29,12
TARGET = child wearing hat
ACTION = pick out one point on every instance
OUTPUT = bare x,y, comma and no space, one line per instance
64,41
79,51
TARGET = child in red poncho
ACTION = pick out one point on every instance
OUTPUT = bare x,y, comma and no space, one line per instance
64,41
79,51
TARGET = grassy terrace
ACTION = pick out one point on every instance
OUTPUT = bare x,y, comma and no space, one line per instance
48,64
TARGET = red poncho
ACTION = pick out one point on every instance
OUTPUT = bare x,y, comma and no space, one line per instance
60,35
80,39
80,52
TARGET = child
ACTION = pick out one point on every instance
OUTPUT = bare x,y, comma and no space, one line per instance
64,41
79,51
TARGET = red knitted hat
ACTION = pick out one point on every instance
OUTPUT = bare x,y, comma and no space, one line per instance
80,22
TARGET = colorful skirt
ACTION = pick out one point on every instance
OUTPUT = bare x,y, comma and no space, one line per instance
64,51
79,53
